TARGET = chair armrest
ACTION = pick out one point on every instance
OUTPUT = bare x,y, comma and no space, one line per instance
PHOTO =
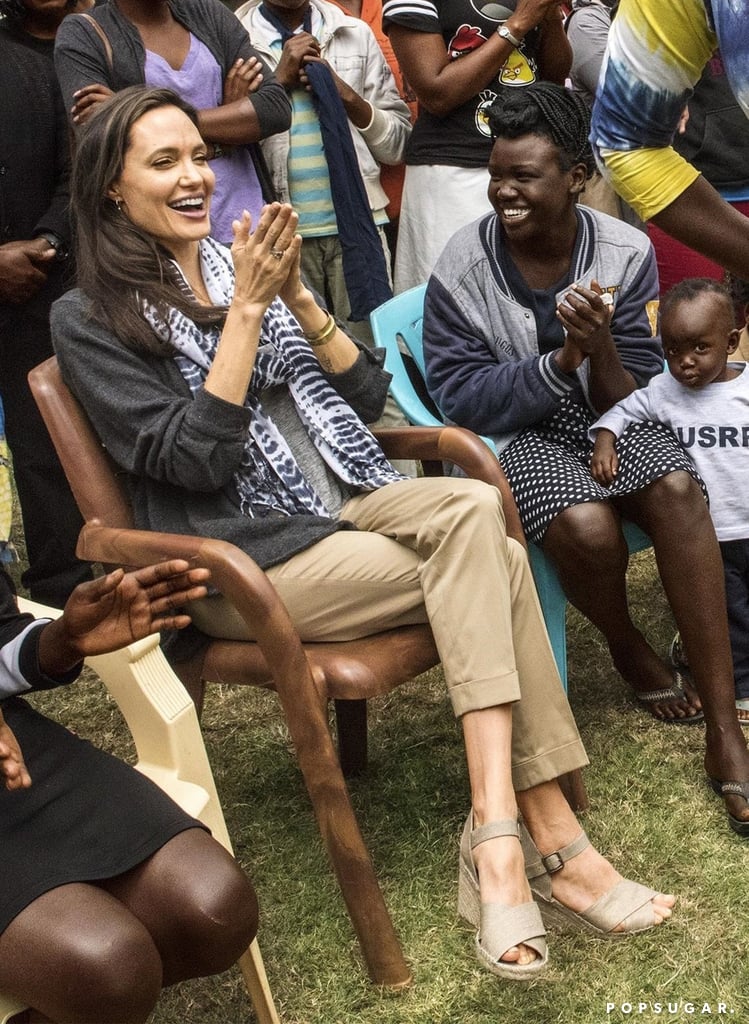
462,448
242,582
122,546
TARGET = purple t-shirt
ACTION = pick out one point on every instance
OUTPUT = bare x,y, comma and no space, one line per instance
199,82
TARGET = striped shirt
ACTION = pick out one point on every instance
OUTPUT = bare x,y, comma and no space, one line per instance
309,181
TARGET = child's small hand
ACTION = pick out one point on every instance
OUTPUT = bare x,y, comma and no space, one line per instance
604,462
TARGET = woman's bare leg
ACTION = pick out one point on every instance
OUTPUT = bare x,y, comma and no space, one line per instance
76,954
95,954
195,902
499,862
586,545
586,877
549,819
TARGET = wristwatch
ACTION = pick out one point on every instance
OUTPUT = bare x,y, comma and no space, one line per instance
61,250
504,31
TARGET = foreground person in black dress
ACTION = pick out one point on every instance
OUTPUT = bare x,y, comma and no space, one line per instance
110,892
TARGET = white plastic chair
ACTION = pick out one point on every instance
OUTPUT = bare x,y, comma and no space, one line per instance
165,728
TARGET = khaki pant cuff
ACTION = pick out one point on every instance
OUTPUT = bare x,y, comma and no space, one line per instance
484,693
549,765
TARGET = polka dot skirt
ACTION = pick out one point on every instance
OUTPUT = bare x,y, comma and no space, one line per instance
548,466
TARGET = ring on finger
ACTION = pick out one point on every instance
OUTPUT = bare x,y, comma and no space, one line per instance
277,254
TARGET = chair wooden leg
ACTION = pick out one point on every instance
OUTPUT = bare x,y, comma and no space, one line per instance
307,720
348,853
351,729
305,708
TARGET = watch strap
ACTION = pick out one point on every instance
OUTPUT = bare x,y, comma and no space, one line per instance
505,33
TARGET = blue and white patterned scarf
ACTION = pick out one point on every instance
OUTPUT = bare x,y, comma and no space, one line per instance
269,478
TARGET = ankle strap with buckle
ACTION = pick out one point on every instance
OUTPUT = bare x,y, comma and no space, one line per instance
537,866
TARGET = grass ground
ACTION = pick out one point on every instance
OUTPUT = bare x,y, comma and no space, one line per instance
650,811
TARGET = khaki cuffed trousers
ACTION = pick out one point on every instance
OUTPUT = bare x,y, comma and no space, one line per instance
435,549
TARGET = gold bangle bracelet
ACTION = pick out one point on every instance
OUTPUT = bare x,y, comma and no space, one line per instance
324,335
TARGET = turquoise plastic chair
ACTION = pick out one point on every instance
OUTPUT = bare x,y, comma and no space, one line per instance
735,195
397,325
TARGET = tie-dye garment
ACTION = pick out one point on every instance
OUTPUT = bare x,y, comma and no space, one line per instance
656,52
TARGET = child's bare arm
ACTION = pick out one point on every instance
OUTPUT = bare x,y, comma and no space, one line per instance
604,461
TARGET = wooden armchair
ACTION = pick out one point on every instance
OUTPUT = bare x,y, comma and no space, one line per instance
305,676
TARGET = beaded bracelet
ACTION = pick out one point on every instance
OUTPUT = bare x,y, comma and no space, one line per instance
324,335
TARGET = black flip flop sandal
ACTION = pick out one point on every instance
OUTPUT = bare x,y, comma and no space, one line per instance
674,692
741,828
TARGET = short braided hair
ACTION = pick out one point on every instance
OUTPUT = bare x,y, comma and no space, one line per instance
691,288
544,108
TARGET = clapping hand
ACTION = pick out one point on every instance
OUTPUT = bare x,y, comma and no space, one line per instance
118,609
585,314
12,768
264,259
